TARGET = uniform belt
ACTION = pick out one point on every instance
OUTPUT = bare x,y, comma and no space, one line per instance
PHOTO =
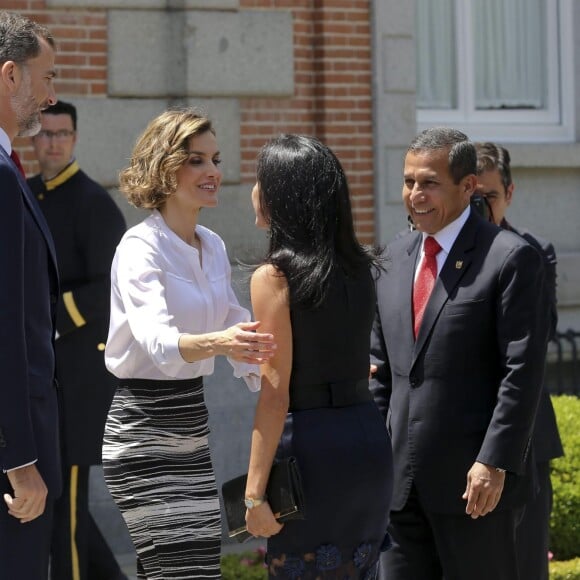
335,394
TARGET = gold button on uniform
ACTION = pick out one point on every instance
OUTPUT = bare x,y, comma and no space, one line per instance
40,196
101,346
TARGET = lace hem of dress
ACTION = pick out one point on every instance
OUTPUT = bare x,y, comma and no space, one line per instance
326,563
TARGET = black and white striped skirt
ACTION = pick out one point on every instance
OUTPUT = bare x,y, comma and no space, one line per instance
158,469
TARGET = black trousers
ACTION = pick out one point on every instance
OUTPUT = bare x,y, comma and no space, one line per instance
429,546
532,532
78,549
24,548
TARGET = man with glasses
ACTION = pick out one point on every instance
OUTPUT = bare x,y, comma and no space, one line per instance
86,225
494,183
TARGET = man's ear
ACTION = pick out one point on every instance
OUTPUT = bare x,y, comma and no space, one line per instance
469,184
10,76
509,192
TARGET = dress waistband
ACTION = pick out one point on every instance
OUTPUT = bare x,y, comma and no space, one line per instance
335,394
160,384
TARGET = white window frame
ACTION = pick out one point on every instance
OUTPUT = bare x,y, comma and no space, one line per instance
553,124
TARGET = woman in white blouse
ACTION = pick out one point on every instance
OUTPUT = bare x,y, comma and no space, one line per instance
172,311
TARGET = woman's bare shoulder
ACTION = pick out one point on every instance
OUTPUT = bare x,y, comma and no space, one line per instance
269,275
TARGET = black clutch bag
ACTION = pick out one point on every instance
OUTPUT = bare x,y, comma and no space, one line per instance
283,492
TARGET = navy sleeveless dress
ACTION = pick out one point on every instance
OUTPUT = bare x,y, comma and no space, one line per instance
341,444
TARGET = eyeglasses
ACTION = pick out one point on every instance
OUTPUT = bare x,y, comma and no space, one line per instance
60,135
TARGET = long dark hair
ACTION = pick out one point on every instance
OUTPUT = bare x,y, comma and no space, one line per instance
304,197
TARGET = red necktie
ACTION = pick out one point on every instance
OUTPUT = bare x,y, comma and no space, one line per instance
16,159
425,281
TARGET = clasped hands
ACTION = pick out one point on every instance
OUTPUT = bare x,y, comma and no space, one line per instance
29,496
484,488
241,343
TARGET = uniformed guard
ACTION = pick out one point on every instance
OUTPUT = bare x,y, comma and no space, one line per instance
86,225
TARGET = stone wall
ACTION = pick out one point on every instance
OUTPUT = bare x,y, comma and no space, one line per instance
259,67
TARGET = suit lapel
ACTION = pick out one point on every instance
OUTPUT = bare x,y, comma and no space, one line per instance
404,290
33,207
453,270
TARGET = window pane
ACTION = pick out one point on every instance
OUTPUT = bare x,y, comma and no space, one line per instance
509,54
436,65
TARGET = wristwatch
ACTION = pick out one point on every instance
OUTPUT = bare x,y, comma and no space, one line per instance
251,502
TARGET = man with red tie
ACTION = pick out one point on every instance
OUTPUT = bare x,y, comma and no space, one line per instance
459,348
30,474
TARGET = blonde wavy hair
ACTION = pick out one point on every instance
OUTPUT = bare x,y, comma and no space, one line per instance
159,152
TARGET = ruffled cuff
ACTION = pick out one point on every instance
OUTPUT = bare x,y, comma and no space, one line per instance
253,383
250,374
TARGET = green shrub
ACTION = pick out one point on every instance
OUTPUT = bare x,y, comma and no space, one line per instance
565,520
569,570
244,566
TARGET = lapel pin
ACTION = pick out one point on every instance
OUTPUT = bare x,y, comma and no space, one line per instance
459,264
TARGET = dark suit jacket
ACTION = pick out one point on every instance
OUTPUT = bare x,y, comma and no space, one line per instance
28,302
86,226
546,439
467,390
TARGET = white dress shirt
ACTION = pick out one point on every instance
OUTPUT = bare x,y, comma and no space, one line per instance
5,142
159,291
445,238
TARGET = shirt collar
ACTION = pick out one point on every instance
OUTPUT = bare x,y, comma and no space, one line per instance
176,240
447,236
5,141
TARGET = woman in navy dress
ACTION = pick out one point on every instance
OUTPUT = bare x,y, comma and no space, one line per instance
315,294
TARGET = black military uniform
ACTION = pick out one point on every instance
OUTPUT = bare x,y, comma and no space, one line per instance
86,225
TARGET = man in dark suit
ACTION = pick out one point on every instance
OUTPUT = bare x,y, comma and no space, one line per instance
86,226
496,185
459,368
30,473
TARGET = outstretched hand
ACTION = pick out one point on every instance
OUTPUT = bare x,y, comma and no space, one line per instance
242,343
29,496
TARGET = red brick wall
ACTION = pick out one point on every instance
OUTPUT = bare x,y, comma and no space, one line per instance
332,96
81,63
332,73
